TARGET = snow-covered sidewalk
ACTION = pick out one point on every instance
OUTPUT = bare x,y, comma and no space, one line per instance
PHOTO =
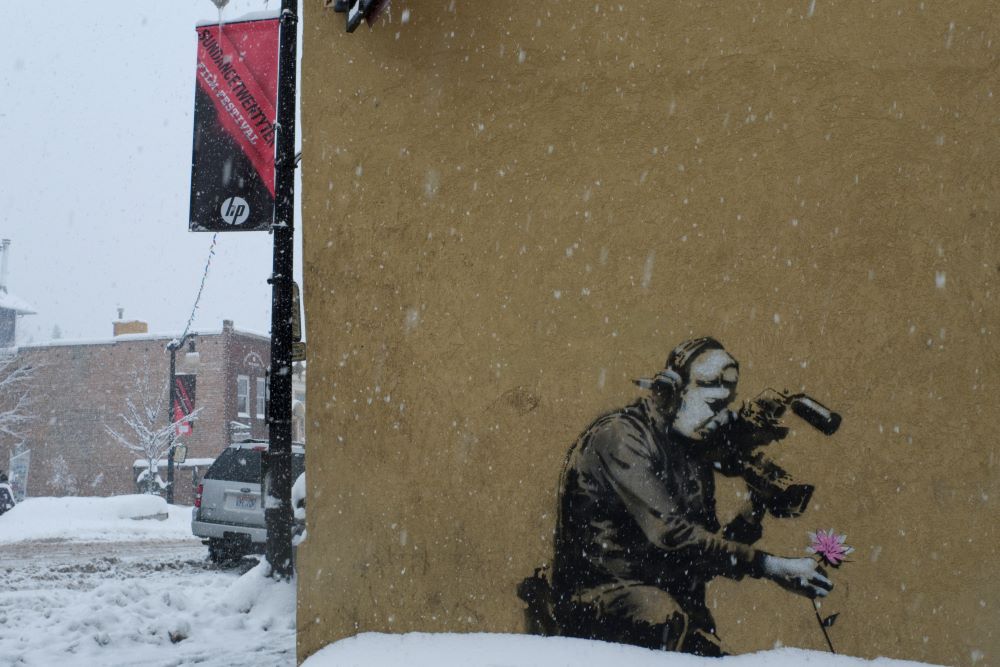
114,519
86,583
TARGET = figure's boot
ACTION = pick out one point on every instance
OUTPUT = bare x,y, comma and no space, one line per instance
536,592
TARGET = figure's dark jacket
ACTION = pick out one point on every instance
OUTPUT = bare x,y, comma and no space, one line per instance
637,505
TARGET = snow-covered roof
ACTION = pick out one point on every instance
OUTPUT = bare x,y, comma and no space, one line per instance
20,306
66,342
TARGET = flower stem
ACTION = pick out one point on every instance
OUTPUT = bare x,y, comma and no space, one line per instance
819,619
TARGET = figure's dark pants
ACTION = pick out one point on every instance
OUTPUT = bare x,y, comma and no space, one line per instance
642,615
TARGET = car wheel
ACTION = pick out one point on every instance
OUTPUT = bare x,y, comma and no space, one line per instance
224,552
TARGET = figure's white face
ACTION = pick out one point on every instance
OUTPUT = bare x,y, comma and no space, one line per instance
711,387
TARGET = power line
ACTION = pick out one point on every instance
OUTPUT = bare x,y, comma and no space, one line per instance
201,287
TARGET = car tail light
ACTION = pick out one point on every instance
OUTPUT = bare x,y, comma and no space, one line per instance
197,495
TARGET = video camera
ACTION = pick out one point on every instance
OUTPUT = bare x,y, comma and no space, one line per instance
757,424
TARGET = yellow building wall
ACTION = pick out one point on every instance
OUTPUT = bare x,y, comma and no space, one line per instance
511,210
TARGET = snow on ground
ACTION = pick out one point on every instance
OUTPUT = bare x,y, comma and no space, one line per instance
496,650
118,518
89,583
85,584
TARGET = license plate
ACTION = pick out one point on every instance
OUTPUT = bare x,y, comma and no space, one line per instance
246,502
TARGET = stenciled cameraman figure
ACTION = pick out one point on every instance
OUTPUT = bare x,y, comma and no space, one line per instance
638,537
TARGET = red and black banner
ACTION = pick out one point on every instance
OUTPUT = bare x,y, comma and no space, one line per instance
232,165
183,406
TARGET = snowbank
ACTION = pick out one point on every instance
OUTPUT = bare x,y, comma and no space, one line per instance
117,518
496,650
155,608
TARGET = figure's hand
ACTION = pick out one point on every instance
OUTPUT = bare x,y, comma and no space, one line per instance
747,527
803,576
765,411
772,402
735,435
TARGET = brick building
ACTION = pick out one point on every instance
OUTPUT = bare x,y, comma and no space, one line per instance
81,388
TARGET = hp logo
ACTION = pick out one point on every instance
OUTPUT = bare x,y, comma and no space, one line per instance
235,211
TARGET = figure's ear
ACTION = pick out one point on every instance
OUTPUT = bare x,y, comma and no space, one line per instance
665,380
672,378
667,389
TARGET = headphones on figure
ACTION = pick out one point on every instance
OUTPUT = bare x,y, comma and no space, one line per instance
674,375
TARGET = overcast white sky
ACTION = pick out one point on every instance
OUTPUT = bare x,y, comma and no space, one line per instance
96,130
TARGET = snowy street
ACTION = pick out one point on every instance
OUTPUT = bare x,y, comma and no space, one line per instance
144,594
58,554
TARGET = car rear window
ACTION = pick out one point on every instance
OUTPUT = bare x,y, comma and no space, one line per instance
243,465
236,465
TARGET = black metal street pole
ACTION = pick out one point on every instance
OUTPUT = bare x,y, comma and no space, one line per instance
278,475
170,420
172,348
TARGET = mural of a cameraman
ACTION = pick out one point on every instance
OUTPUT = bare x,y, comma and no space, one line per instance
638,538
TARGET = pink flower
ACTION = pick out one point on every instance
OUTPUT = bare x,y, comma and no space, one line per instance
829,546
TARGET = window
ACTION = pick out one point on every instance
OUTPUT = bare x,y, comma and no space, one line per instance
244,465
243,396
261,398
236,465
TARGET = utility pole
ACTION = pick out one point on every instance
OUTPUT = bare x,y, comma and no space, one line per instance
278,472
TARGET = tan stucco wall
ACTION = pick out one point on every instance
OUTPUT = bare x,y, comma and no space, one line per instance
512,209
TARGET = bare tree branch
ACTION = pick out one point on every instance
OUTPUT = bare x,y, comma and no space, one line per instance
15,396
142,431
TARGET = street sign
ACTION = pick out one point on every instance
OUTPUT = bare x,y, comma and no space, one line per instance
183,402
298,351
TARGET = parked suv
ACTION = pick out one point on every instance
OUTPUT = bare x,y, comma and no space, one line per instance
228,509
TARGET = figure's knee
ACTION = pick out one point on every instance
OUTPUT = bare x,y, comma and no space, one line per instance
640,604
